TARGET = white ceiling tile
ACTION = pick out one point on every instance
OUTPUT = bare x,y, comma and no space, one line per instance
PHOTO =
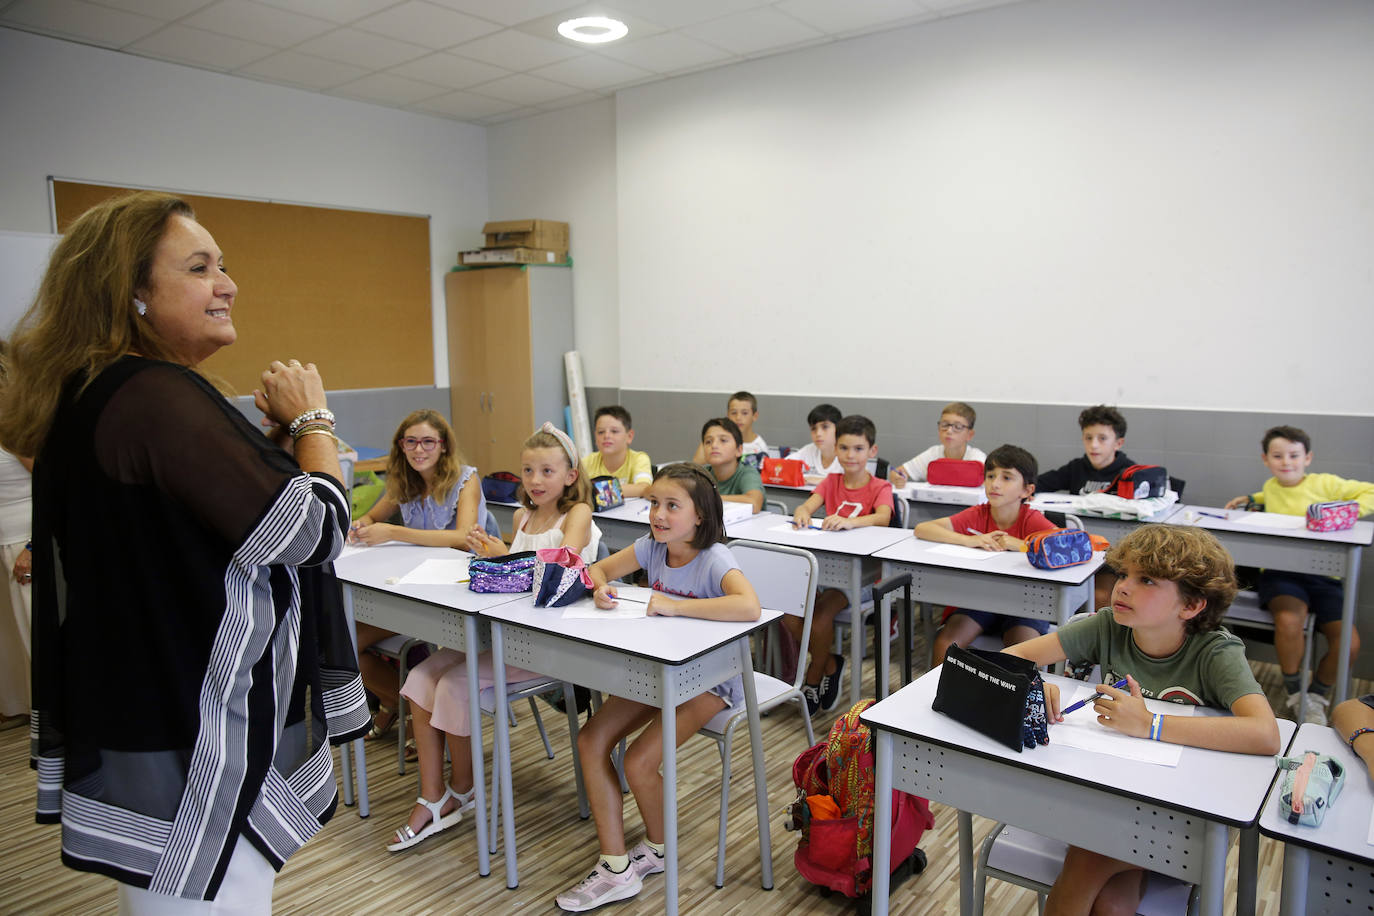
591,71
340,11
445,69
666,53
754,31
511,116
426,24
375,52
257,22
955,7
86,21
579,98
524,90
200,48
675,14
158,9
464,105
302,70
388,89
516,50
840,18
506,12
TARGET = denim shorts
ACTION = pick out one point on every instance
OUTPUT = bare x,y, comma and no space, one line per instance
1321,594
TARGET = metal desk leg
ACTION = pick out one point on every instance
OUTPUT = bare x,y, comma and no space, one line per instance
856,655
503,778
669,717
1247,871
882,649
360,763
1214,870
882,820
1351,586
479,776
1293,898
965,863
751,703
584,808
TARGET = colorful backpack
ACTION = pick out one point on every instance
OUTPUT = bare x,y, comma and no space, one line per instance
834,812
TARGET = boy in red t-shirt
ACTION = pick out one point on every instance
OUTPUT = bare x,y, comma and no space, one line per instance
1001,523
852,499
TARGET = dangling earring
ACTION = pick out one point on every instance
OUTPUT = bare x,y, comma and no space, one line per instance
140,306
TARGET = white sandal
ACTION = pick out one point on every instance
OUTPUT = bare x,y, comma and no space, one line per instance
406,837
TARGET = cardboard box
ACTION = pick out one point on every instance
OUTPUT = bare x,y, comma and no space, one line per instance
528,233
512,256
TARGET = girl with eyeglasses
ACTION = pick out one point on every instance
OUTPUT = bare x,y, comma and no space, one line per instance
441,503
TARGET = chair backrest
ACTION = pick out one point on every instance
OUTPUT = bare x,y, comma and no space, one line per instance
785,580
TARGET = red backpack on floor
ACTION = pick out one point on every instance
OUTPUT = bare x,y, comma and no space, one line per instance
834,812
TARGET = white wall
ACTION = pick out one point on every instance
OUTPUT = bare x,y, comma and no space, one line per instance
80,112
561,166
1146,202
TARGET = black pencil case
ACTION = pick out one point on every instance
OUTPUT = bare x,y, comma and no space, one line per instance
999,695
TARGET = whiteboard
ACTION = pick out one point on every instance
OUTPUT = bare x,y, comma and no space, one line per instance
23,259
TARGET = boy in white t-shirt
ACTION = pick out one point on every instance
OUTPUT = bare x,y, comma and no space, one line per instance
819,457
956,432
743,408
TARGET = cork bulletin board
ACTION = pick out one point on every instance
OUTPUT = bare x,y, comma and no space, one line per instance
346,289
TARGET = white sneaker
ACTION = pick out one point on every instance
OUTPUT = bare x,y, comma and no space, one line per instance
1316,707
600,887
645,861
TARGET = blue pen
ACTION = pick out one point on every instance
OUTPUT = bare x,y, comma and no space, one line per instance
1224,518
1092,699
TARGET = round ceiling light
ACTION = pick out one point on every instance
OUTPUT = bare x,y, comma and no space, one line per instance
593,29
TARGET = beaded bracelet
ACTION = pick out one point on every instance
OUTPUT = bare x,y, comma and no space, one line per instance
1155,724
319,413
1358,732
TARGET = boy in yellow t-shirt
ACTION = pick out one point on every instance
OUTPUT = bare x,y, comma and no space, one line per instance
613,433
1287,453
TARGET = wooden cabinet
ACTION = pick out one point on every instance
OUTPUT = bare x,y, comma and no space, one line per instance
508,328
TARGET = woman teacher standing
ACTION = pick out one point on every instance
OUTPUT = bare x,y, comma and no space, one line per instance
189,650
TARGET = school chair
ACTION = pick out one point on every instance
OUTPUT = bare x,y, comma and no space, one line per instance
1033,861
845,618
397,648
785,580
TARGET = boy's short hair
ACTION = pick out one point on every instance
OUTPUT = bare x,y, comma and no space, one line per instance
1014,458
725,423
857,425
1191,557
823,413
614,411
744,396
1102,415
701,488
1291,433
960,409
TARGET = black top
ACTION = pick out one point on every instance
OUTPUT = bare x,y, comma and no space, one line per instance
183,605
1079,476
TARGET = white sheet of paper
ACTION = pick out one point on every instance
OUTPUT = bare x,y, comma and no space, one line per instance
350,549
437,572
629,606
1371,828
965,553
787,527
1080,729
1271,520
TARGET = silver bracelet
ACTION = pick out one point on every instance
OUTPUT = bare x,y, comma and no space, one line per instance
319,413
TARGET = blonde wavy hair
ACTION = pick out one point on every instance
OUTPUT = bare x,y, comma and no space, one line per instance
403,483
1191,557
83,319
581,489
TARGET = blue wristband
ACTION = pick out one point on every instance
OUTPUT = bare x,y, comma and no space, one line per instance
1155,724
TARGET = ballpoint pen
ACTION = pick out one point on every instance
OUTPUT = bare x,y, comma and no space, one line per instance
1092,699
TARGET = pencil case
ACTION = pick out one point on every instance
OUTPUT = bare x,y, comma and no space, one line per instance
783,472
500,487
1310,786
1058,548
1333,516
1140,481
560,577
949,472
998,695
513,572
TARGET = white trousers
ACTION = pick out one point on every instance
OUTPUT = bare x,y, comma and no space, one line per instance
246,891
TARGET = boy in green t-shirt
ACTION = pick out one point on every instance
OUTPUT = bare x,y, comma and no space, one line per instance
723,444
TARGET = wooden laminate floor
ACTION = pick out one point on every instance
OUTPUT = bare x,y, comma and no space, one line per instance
346,869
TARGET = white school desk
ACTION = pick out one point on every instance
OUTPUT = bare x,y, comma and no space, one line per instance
1004,582
441,614
1332,553
623,525
1172,820
661,661
840,556
1329,869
